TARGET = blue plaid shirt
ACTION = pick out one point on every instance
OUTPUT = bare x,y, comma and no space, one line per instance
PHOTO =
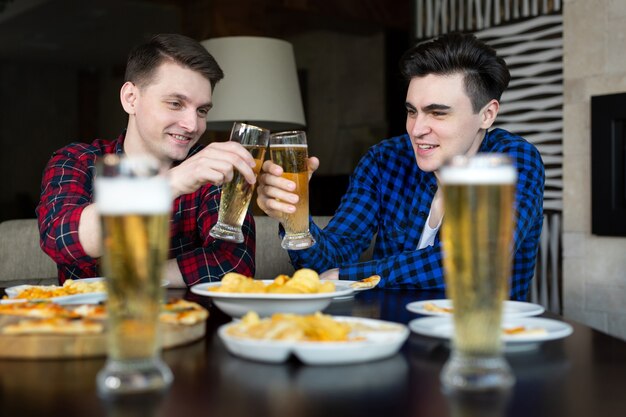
390,196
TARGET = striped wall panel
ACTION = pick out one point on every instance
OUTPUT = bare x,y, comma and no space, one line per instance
532,106
434,17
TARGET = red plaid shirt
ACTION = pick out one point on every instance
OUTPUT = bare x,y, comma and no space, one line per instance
67,188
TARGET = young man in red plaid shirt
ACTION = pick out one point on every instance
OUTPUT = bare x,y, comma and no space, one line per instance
167,94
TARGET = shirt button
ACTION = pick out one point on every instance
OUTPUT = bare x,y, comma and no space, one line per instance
433,188
422,214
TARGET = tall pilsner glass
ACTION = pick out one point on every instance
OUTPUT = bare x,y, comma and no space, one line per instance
477,237
289,150
237,193
134,203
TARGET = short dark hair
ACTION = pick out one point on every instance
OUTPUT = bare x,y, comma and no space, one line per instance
144,59
486,75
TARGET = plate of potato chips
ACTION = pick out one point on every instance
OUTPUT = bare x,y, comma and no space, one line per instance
315,339
80,291
73,291
301,293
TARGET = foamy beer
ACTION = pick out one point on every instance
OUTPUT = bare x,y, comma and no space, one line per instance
134,205
289,150
477,236
237,193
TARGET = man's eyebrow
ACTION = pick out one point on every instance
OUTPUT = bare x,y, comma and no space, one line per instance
183,97
178,96
435,106
409,106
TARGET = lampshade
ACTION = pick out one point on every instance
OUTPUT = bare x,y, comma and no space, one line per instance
260,84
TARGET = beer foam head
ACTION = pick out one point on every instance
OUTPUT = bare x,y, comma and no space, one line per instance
120,195
479,169
289,145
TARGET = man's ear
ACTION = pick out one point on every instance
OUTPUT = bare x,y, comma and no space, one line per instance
128,96
488,114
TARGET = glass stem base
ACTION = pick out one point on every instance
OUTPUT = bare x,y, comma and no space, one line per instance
227,232
298,241
119,378
480,374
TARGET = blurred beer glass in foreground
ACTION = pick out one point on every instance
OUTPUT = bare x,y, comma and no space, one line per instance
289,150
477,237
237,193
134,203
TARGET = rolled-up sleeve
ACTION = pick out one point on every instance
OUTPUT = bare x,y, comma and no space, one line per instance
65,192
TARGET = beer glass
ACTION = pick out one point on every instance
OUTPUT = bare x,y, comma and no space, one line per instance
237,193
289,150
134,204
477,237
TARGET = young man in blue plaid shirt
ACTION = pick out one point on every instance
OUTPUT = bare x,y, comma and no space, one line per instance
454,86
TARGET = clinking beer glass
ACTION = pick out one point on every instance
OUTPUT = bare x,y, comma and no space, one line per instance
237,193
477,237
289,151
134,204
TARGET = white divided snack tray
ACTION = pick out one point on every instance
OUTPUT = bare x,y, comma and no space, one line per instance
383,340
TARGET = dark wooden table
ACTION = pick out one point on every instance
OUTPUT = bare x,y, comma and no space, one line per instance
583,375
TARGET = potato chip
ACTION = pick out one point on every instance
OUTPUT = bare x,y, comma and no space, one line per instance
326,286
234,282
304,281
281,326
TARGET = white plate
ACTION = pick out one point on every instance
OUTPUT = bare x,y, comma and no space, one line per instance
238,304
84,298
383,341
443,327
511,308
346,282
343,284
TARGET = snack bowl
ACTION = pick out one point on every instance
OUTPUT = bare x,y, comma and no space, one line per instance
265,304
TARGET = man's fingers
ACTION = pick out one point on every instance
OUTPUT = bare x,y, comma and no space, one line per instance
275,193
280,194
231,147
278,182
279,206
271,168
313,163
232,153
273,207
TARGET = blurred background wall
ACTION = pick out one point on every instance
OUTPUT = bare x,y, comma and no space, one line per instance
62,64
594,267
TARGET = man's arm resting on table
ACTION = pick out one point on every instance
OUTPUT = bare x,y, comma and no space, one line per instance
419,269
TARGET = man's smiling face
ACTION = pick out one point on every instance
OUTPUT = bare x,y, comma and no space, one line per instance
441,121
169,113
